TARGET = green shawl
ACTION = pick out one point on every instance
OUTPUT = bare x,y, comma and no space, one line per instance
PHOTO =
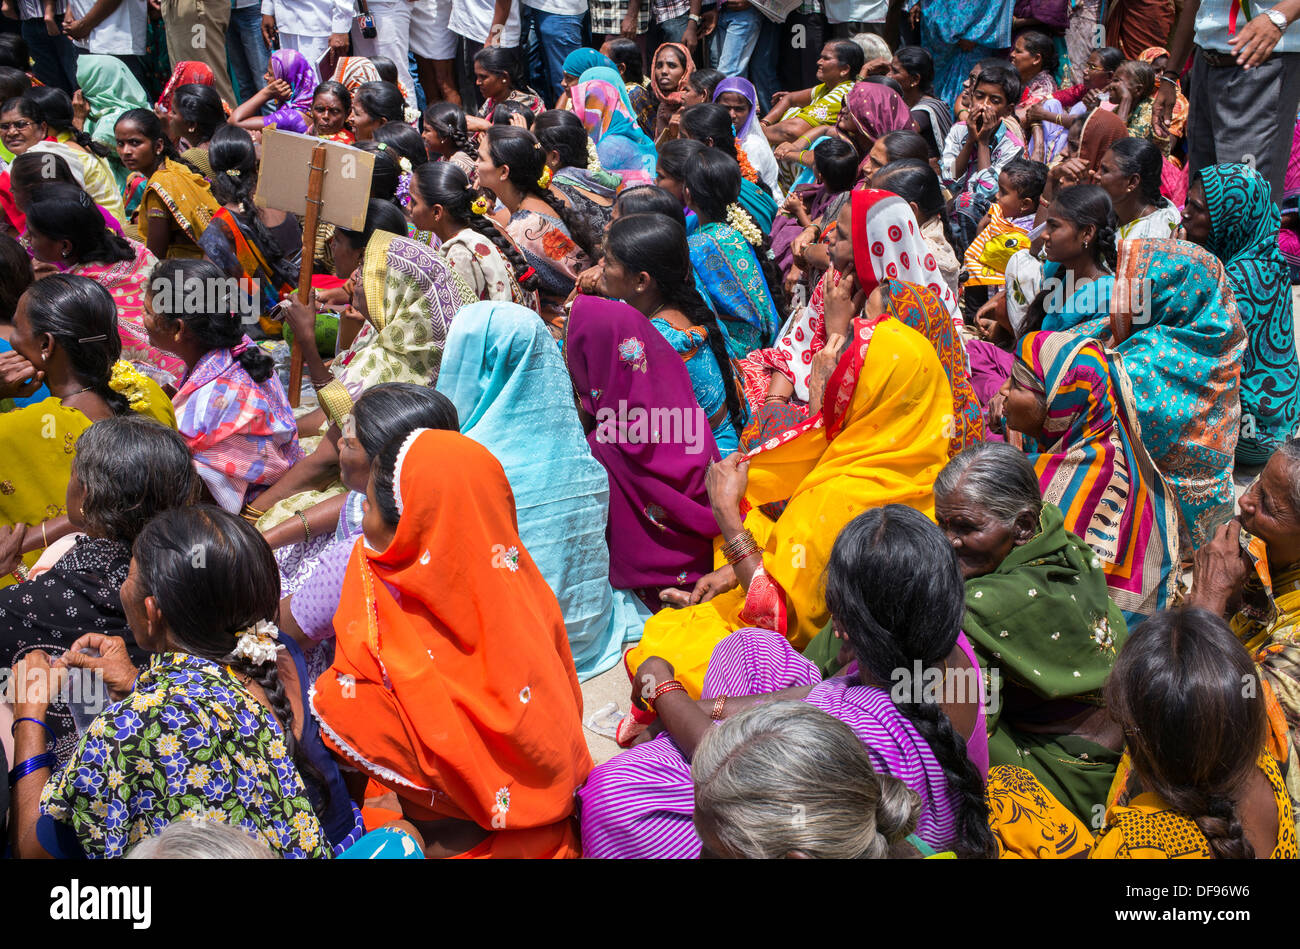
1043,617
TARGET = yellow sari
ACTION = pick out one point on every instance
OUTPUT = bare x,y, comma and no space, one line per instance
38,443
176,193
880,439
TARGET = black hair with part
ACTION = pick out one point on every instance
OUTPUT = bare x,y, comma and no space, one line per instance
504,64
1027,177
677,155
336,89
56,107
656,244
917,61
390,411
13,82
915,182
649,199
235,165
214,326
626,54
404,141
849,54
146,120
704,81
64,212
710,123
381,100
448,120
837,163
559,130
1141,157
441,182
201,106
82,317
895,590
1042,45
1002,74
387,70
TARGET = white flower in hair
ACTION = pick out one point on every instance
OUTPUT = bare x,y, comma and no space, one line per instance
739,218
411,115
257,643
405,165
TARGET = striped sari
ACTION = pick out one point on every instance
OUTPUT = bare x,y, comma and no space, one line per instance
1091,463
1175,325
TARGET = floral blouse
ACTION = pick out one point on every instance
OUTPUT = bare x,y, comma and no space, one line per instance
484,269
190,741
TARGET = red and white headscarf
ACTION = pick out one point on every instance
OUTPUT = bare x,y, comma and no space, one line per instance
887,245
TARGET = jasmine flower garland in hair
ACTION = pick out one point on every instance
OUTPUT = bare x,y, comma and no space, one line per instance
257,644
738,218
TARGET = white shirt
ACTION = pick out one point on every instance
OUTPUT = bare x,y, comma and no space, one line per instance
121,33
565,7
856,11
472,19
310,17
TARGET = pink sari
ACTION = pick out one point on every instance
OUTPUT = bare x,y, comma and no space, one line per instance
126,281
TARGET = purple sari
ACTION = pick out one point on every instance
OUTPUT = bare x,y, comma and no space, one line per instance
291,66
654,441
641,803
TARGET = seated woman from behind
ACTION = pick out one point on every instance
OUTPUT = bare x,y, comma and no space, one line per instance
208,714
454,686
1038,613
895,591
231,407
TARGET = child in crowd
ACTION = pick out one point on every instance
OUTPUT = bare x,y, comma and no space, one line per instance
1020,185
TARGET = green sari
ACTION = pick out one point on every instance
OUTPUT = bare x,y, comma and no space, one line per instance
1047,634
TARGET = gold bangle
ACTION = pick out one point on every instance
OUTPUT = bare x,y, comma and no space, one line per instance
305,526
718,705
44,538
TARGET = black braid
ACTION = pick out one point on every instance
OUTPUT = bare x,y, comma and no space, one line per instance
448,120
267,676
1223,831
232,150
685,297
523,153
974,837
446,184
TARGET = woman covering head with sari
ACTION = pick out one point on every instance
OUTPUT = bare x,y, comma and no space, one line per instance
292,67
1088,453
742,102
870,112
1038,612
1101,129
1173,322
185,73
881,438
646,428
601,101
110,89
582,59
670,73
453,684
408,295
352,72
1231,213
503,372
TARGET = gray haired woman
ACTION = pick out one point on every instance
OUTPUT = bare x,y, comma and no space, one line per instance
1042,623
786,779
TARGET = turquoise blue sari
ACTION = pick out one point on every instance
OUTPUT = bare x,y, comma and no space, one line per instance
1244,224
1173,323
725,264
1066,311
502,370
944,22
600,99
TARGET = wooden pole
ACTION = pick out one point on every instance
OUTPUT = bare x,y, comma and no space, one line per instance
315,185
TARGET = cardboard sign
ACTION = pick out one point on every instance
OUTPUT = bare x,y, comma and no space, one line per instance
286,166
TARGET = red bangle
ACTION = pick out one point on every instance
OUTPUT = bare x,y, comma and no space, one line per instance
718,705
672,685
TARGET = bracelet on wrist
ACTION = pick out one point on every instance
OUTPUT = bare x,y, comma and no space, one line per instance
672,685
742,547
27,718
35,763
718,705
305,526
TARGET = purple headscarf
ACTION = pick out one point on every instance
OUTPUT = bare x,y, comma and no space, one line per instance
661,526
292,66
746,89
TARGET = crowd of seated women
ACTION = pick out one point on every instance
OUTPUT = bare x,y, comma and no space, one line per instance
884,446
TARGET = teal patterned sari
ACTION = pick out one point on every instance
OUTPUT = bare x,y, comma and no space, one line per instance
725,264
1244,223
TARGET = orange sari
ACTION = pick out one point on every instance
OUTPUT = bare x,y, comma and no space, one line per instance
452,683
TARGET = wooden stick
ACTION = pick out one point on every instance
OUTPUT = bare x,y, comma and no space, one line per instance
315,185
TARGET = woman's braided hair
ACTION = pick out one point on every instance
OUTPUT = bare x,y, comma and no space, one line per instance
523,153
895,589
446,184
1192,729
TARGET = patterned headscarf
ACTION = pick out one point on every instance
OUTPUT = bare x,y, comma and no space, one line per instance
185,74
354,72
887,245
292,66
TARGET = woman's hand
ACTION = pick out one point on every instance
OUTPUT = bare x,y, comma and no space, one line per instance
11,547
1219,570
726,481
35,685
706,588
302,317
651,674
1072,171
112,662
18,377
823,365
279,90
591,281
844,301
992,314
80,107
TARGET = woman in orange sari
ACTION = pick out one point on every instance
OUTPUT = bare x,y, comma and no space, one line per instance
452,683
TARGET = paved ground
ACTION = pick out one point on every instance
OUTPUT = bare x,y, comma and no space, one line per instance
611,686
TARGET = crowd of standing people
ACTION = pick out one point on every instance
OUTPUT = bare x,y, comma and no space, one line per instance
901,397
